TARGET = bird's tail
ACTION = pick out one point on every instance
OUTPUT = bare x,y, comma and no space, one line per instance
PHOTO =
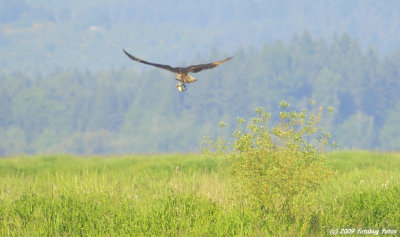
185,78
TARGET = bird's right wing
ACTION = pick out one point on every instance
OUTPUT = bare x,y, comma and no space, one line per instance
166,67
201,67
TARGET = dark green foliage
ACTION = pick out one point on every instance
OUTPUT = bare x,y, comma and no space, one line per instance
121,111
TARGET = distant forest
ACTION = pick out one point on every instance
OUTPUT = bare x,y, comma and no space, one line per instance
124,111
40,35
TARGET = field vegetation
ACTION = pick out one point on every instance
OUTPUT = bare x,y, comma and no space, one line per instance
275,178
183,194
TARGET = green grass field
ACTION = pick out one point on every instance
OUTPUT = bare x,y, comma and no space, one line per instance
184,194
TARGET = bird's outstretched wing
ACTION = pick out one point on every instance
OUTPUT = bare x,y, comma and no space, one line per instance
200,67
166,67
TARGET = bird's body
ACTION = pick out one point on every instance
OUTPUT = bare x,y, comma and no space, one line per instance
182,73
185,78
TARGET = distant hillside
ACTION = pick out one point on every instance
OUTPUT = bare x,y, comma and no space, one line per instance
124,111
39,35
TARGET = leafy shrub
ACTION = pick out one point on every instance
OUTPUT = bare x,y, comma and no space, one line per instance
275,164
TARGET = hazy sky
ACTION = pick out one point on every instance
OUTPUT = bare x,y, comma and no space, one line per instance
43,35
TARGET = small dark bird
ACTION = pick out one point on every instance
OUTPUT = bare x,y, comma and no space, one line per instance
182,73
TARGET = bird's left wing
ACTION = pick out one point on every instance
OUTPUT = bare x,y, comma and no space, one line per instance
166,67
200,67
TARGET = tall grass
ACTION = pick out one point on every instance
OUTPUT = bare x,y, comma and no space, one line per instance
183,194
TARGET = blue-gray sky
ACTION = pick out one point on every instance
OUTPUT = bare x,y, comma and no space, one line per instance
39,36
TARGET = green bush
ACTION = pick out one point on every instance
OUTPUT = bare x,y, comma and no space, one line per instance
276,164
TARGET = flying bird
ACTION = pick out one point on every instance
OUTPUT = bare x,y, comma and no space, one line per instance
182,73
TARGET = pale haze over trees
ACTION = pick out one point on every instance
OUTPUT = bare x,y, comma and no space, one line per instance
66,86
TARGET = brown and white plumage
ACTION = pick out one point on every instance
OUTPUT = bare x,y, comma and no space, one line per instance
182,73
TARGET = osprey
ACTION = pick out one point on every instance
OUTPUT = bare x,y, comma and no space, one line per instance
182,73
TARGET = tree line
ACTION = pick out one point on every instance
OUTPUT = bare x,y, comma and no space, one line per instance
124,111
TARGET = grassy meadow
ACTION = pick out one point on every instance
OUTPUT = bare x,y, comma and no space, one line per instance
184,194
